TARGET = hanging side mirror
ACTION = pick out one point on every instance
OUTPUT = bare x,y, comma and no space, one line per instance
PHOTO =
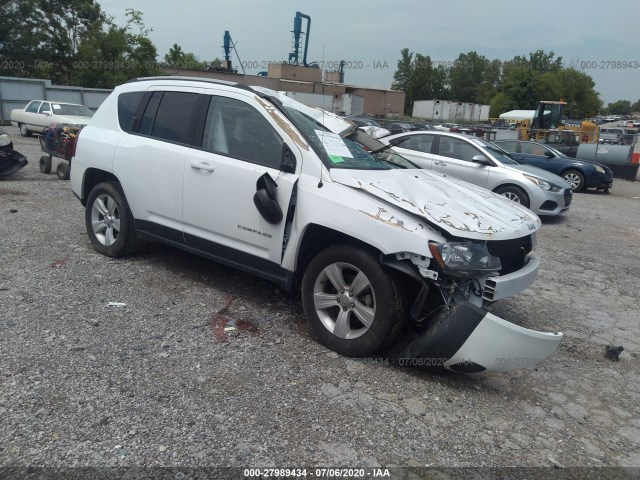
265,199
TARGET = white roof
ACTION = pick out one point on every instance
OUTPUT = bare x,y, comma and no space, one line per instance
518,115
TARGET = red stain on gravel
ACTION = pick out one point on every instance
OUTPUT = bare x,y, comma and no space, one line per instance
59,263
219,322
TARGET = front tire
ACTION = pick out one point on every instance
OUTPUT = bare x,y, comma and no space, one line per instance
575,179
24,131
354,306
109,221
514,194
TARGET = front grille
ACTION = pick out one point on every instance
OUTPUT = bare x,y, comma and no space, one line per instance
511,253
568,195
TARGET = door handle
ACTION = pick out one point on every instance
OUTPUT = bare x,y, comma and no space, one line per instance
203,166
442,164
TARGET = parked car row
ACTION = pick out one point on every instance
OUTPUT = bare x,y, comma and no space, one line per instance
481,163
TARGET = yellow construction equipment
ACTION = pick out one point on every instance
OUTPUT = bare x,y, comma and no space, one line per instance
548,122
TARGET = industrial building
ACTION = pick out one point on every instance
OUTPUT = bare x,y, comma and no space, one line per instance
304,81
308,87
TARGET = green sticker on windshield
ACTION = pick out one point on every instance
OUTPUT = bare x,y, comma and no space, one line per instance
336,159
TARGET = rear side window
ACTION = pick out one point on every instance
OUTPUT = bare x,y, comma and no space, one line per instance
127,107
419,143
511,147
175,116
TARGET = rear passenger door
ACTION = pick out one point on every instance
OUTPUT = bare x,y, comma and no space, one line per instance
239,144
150,161
454,157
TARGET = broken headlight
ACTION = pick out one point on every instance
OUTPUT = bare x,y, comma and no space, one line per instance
464,256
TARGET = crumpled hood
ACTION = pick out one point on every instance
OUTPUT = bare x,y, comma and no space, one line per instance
457,207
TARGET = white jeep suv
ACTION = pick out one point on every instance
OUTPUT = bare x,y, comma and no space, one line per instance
386,258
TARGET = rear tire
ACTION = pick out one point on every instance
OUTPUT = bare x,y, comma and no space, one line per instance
354,306
514,194
109,222
45,164
575,179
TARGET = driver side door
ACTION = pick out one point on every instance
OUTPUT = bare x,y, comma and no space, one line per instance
239,144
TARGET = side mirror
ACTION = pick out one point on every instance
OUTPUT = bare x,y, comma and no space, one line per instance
549,154
398,141
287,161
481,159
265,199
47,112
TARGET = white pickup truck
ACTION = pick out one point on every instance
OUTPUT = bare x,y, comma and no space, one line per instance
39,114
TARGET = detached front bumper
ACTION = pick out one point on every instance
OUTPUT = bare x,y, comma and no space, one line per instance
11,161
471,340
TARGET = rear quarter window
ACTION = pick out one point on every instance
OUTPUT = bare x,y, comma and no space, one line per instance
175,116
127,107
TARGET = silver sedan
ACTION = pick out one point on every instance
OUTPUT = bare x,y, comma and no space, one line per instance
485,164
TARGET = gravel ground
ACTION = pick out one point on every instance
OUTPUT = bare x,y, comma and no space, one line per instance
160,383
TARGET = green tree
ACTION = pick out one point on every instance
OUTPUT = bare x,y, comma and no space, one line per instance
175,56
578,91
425,82
43,37
620,107
548,87
635,107
520,87
500,103
402,74
110,56
466,76
491,82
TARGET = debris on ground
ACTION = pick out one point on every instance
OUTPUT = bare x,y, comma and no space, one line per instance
613,353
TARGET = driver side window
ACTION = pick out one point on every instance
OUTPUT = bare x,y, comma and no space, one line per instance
236,129
457,148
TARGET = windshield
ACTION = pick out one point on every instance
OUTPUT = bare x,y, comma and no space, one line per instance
66,109
333,150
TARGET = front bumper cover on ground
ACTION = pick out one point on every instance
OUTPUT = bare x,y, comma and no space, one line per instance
472,340
11,161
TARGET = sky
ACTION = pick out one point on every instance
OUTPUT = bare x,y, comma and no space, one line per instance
599,38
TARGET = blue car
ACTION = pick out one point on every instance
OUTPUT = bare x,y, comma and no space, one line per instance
581,174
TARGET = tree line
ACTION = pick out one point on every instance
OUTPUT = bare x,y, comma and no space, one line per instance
514,84
76,43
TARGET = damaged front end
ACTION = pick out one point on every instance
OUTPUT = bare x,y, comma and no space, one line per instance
450,327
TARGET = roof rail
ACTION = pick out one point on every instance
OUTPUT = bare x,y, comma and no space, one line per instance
191,79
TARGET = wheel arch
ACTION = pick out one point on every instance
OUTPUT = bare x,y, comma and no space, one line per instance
513,185
92,177
315,239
